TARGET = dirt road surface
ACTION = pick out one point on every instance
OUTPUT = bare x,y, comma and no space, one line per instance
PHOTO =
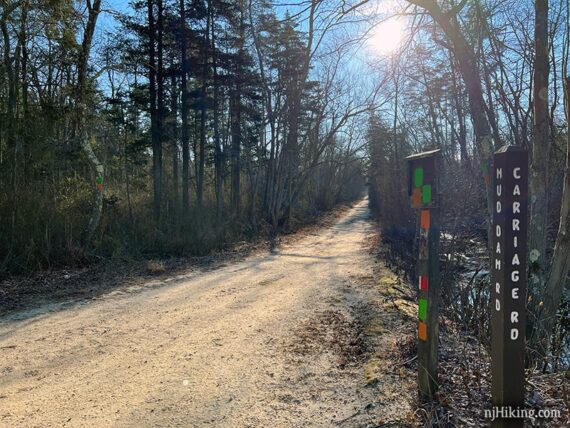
277,340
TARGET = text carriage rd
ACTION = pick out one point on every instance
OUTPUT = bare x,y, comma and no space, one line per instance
509,281
515,235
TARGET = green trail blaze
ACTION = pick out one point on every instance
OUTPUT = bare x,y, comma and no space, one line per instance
99,180
419,177
422,313
426,194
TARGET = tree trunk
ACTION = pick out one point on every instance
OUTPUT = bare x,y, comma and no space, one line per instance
7,126
99,174
24,72
203,113
185,129
462,137
160,113
84,140
156,146
556,282
236,148
469,70
538,232
235,111
174,144
268,107
218,161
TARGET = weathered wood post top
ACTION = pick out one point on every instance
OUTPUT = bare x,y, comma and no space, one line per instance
422,178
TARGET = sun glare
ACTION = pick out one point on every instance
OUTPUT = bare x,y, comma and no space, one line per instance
387,37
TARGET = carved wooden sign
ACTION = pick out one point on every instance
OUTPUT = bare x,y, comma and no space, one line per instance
509,279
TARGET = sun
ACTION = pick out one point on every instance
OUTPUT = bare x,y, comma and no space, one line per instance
387,37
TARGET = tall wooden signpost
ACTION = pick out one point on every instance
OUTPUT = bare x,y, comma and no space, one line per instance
423,191
509,282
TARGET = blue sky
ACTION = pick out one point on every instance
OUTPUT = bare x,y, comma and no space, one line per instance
106,20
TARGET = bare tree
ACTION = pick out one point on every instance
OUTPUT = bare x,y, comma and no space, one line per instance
185,129
93,10
539,187
467,62
557,277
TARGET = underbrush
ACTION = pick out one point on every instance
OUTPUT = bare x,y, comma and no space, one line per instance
43,228
464,357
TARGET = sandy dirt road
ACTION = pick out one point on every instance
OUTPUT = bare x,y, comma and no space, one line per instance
276,340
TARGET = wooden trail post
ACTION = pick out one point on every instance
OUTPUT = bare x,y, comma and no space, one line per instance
509,282
423,190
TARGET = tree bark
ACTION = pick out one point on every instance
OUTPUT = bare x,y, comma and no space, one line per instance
218,161
84,139
268,107
203,112
185,129
462,137
160,112
557,277
9,125
538,232
174,145
235,109
156,145
235,114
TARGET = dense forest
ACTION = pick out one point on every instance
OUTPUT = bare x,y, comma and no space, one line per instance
187,126
162,127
